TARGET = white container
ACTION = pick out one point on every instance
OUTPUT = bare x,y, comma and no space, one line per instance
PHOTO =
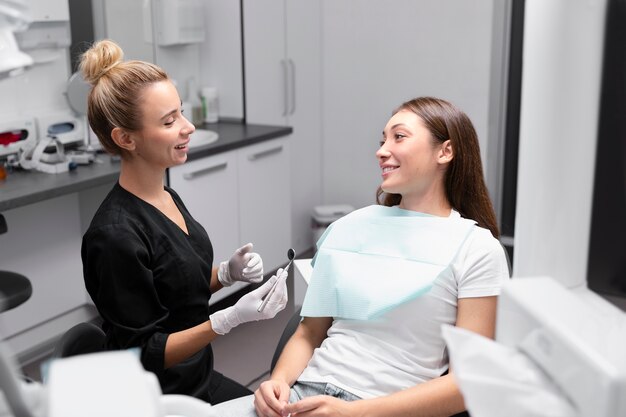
323,216
210,104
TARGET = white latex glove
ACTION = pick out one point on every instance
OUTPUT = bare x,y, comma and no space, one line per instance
245,309
243,266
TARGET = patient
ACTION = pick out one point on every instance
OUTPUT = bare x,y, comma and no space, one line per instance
367,349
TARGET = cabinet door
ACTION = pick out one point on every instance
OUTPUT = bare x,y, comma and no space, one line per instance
305,145
208,187
264,200
43,244
283,86
265,64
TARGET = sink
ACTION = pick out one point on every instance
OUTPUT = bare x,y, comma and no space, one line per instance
202,137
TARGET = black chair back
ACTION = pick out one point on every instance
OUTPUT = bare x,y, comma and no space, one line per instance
3,225
81,339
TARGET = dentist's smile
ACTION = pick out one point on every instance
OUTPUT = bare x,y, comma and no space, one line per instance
182,146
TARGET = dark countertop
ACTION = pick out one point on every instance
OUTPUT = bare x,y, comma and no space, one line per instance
26,187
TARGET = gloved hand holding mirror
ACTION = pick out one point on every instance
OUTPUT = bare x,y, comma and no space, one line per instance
291,254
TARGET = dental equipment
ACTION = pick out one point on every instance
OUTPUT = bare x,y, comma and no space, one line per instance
574,344
67,128
59,132
77,385
291,254
17,134
35,157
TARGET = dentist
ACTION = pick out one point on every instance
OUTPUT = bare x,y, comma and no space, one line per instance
147,264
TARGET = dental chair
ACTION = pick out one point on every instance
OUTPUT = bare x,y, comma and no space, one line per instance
102,384
290,328
80,339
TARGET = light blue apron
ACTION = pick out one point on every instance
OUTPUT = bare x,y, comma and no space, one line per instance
377,258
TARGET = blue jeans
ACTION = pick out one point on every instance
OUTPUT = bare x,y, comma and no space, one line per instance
244,407
302,390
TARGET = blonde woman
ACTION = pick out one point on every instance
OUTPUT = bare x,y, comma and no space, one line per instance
148,265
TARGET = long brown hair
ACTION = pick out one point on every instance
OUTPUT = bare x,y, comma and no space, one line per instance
117,88
464,182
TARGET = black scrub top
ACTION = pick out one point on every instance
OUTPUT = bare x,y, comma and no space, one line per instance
148,279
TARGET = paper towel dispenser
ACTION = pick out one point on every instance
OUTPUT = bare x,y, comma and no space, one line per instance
178,22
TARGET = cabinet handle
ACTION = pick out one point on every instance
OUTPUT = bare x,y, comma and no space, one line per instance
283,64
265,153
204,171
293,86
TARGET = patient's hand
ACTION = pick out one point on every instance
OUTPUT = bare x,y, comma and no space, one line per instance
270,398
322,405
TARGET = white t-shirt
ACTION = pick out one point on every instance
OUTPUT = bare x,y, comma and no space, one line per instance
405,347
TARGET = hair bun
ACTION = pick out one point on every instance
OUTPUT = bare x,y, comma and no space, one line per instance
99,59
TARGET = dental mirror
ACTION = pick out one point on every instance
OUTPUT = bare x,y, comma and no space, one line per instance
291,254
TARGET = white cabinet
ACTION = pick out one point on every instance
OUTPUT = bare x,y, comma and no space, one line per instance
283,87
220,67
43,244
265,58
48,10
208,187
240,196
264,200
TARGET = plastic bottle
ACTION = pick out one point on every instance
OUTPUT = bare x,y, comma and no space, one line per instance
196,104
210,104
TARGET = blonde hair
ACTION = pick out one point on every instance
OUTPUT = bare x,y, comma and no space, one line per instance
117,88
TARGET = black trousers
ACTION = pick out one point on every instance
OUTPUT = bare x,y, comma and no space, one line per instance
222,388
